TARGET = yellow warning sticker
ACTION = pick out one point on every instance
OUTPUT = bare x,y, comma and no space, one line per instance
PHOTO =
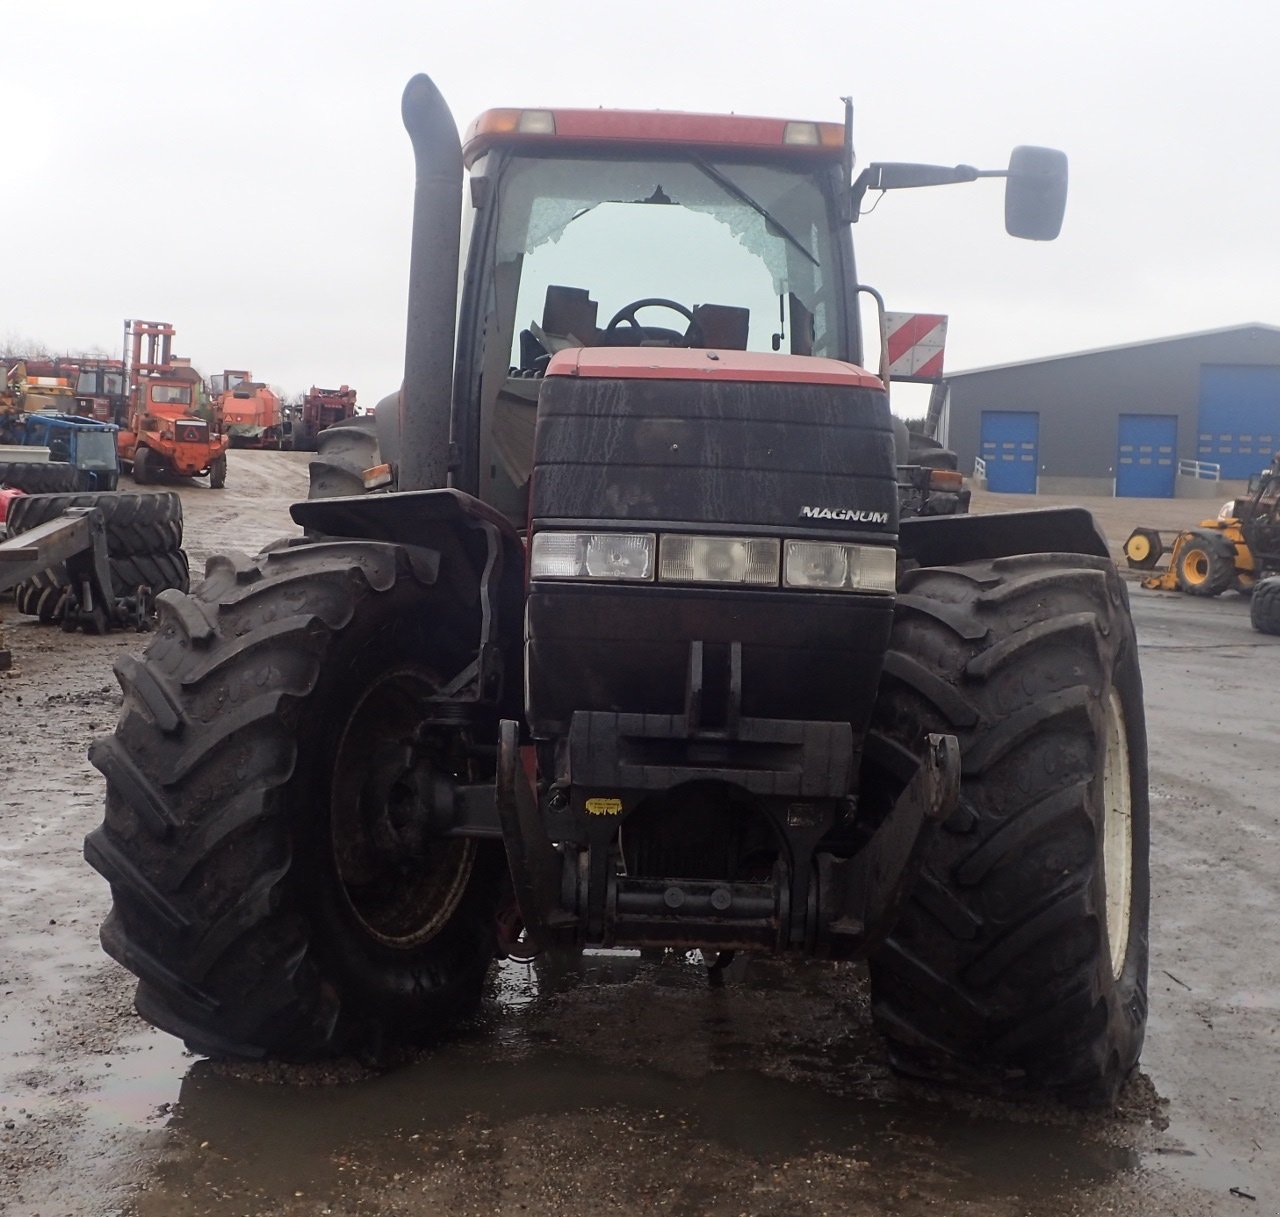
604,807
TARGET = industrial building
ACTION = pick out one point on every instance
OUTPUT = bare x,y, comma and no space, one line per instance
1149,419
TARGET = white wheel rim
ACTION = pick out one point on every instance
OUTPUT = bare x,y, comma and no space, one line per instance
1117,834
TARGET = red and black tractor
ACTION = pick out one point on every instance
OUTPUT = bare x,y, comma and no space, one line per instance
630,646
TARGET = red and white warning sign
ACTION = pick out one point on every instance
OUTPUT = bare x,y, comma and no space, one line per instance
916,344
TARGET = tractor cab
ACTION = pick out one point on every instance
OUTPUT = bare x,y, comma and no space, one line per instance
100,390
619,229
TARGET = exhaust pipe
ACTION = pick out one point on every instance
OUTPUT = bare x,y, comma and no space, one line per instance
427,397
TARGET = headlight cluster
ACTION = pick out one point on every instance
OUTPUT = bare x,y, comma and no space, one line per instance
832,566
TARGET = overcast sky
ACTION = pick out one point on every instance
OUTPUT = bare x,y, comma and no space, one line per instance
238,167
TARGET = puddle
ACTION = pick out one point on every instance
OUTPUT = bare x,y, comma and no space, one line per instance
625,1061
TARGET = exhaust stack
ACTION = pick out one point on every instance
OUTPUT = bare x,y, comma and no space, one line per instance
427,396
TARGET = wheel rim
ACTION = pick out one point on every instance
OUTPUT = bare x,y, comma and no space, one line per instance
400,896
1117,834
1138,549
1196,566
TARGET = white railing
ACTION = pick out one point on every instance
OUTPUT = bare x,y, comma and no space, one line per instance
979,469
1207,471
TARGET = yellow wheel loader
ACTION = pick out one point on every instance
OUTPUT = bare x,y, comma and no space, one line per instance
1231,552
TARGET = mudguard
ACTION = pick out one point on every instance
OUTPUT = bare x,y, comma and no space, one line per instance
945,540
469,536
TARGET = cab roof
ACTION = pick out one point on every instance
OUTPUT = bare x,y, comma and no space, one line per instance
738,132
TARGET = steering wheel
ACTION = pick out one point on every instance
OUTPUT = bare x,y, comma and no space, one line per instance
627,313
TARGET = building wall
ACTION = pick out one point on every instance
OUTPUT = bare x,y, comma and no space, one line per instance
1080,398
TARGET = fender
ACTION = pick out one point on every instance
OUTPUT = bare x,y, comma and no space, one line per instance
945,540
481,555
1216,541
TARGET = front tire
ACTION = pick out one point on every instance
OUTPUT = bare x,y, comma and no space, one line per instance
253,898
143,473
1020,960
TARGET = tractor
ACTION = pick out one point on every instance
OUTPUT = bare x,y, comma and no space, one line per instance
81,454
618,641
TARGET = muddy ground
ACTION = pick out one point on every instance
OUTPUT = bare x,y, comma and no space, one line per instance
635,1087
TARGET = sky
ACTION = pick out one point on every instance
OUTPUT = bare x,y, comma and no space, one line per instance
239,168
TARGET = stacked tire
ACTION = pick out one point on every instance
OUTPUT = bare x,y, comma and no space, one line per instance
39,477
144,545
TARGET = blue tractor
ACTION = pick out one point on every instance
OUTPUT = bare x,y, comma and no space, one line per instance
82,454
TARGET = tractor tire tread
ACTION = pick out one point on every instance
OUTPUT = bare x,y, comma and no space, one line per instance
1005,923
197,837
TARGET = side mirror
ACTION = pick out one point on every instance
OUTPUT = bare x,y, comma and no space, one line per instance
1035,194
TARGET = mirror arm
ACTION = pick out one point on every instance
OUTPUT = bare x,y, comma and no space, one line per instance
896,175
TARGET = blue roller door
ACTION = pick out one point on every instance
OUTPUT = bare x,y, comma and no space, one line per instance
1010,447
1146,453
1239,417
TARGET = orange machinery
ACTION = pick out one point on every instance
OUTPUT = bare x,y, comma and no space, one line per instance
101,390
163,434
319,409
250,411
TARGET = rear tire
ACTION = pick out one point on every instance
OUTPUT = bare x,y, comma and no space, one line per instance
1203,569
1020,959
343,452
218,473
1264,610
249,897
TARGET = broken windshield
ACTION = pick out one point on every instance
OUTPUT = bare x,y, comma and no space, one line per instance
742,251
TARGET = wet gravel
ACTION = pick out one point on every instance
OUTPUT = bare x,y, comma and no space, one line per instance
623,1085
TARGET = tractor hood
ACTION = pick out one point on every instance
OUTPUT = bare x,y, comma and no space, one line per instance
682,363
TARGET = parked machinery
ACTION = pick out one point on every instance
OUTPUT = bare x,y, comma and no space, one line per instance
94,561
671,652
59,452
101,390
1231,552
164,436
318,410
250,410
31,385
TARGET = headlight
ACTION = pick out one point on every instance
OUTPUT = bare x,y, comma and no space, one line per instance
753,561
592,555
831,566
691,558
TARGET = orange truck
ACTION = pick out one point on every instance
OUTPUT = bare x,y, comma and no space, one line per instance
250,410
163,434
